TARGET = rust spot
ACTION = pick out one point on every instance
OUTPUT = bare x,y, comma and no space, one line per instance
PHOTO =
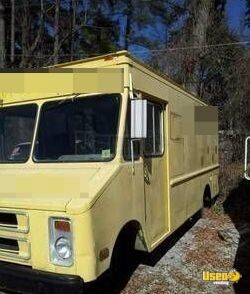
106,58
104,253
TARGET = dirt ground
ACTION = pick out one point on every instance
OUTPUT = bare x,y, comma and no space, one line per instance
210,245
219,241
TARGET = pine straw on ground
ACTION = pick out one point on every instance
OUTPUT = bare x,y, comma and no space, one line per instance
210,245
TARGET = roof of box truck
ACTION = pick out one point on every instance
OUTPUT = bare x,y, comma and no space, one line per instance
119,58
116,59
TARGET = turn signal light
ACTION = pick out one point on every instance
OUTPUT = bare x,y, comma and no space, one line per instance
63,226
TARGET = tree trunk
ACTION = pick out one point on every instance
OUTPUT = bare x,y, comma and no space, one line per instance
12,37
24,38
2,36
128,24
73,29
56,31
201,21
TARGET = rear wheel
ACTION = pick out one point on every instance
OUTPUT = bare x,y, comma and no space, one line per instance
207,203
207,199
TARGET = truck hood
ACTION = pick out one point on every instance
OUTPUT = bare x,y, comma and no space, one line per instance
51,189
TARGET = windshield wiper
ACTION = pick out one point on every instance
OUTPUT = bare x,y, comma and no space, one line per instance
62,102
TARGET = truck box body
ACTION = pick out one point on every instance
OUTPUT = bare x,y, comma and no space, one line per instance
98,193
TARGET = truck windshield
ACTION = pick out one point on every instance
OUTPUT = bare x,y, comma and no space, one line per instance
16,132
83,129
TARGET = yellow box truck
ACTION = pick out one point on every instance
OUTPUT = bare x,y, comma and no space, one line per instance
95,153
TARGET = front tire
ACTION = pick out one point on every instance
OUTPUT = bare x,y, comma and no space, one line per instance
124,259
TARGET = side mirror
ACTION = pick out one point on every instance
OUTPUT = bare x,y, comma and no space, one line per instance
138,119
247,159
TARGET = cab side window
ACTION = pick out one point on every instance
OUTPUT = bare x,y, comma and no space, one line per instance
154,141
127,140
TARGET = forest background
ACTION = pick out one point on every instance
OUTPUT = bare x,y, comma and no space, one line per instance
202,44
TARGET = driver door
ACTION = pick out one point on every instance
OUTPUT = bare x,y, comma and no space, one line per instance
155,173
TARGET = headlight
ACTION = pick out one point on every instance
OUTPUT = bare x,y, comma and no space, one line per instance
61,247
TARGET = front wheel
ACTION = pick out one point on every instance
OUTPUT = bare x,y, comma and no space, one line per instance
124,260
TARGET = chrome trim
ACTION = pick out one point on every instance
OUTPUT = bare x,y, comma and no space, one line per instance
52,240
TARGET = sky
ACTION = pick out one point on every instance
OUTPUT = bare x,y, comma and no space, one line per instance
235,12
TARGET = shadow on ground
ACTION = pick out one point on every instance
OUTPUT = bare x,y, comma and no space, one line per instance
105,283
237,206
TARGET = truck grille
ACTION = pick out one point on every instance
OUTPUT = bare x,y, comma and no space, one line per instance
14,229
8,219
8,244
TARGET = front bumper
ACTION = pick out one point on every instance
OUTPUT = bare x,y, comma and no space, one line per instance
23,279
